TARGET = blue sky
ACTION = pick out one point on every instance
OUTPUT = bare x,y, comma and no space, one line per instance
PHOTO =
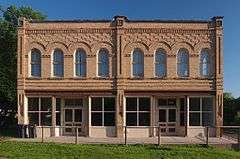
155,9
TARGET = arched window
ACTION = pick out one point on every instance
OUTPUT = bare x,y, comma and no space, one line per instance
103,63
160,63
137,63
183,63
35,63
58,63
205,63
80,63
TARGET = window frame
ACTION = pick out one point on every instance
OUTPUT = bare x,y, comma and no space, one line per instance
141,63
180,63
137,111
31,63
208,63
201,112
164,63
99,72
40,111
81,63
57,50
102,111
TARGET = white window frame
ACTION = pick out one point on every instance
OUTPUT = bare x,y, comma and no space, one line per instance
52,63
137,111
200,111
209,63
74,63
30,63
160,50
132,63
177,62
103,111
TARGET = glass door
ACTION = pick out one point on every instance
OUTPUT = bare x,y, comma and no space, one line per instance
167,120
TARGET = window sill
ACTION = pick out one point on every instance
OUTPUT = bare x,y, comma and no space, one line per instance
159,78
56,78
101,78
79,78
33,78
137,78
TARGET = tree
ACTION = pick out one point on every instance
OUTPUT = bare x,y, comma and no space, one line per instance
8,58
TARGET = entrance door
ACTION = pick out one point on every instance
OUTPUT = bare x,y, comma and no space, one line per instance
73,116
167,120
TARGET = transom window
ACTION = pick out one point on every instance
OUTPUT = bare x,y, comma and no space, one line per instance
160,63
58,63
200,111
103,63
103,111
80,63
205,63
35,63
138,111
183,63
137,63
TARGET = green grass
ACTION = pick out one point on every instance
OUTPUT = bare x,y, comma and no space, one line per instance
10,149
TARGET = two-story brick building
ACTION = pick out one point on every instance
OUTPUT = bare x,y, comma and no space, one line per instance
105,74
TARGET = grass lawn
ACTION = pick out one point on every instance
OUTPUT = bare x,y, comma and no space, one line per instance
51,150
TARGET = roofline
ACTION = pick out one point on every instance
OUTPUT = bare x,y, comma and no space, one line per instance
128,21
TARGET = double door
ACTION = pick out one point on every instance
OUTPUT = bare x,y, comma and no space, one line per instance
167,120
73,117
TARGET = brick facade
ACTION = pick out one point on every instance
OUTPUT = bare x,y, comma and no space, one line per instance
120,36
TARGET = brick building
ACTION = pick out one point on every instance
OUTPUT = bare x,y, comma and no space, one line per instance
104,74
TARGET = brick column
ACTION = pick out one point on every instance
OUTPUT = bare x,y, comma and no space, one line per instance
119,113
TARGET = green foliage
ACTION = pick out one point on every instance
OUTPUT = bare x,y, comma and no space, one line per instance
51,150
231,110
8,57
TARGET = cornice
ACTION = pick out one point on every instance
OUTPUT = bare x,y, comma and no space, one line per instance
113,30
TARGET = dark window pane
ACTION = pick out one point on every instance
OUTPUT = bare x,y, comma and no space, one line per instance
109,119
172,115
58,119
207,119
131,119
33,104
78,115
96,119
182,119
58,104
46,119
144,119
207,104
131,104
78,102
144,104
162,115
69,102
194,119
182,104
172,101
46,104
162,102
194,104
68,115
171,130
109,104
96,104
33,118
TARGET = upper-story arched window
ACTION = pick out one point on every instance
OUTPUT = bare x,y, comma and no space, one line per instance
58,63
35,63
205,63
160,63
103,63
183,63
137,63
80,63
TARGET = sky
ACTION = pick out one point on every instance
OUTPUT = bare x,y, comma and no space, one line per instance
155,9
